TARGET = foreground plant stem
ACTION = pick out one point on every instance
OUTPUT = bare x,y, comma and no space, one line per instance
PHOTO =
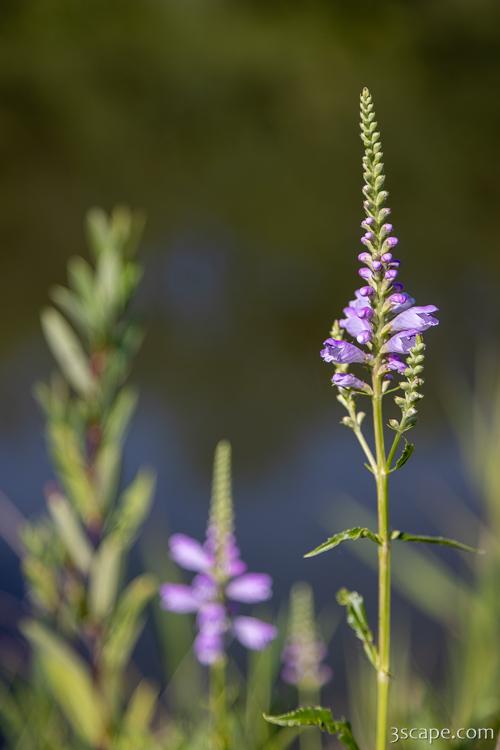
384,567
218,698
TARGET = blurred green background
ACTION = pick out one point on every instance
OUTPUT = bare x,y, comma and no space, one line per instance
233,124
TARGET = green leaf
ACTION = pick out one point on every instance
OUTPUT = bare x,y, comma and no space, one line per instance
126,623
406,454
349,534
72,470
70,531
422,538
316,716
69,303
141,707
356,618
69,681
68,352
120,415
104,575
133,507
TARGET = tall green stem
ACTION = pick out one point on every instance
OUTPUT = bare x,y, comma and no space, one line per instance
218,713
384,568
309,740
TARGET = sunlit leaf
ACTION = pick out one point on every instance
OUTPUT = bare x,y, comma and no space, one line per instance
348,535
141,707
126,622
133,507
70,531
316,716
403,536
69,681
104,575
357,619
68,352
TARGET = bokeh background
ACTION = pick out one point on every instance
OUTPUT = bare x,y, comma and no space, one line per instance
234,126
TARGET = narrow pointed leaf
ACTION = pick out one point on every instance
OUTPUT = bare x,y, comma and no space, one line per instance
356,618
316,716
68,352
343,536
141,707
127,622
406,454
133,507
70,531
104,575
69,681
403,536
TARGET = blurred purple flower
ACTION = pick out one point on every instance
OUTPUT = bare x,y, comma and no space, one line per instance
207,591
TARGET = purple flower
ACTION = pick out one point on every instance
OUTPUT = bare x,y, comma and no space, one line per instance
189,553
253,633
207,592
250,588
178,597
341,352
417,318
401,343
347,380
391,241
365,273
395,363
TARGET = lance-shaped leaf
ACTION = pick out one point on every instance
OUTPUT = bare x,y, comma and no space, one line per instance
403,536
72,470
343,536
104,575
69,681
405,456
141,707
68,351
70,531
356,618
133,507
126,623
316,716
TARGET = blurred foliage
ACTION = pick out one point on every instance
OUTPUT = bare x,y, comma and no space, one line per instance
231,124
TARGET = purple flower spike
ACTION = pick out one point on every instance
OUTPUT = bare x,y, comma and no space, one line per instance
391,241
341,352
391,274
347,380
254,634
250,588
365,273
417,318
398,286
401,343
377,265
176,597
387,257
189,553
369,235
368,221
364,257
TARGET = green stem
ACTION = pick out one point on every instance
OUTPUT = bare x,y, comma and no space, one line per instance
218,714
384,569
309,739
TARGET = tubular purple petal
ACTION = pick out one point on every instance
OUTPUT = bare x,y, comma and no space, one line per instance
347,380
250,588
341,352
177,597
189,553
254,634
401,343
418,318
